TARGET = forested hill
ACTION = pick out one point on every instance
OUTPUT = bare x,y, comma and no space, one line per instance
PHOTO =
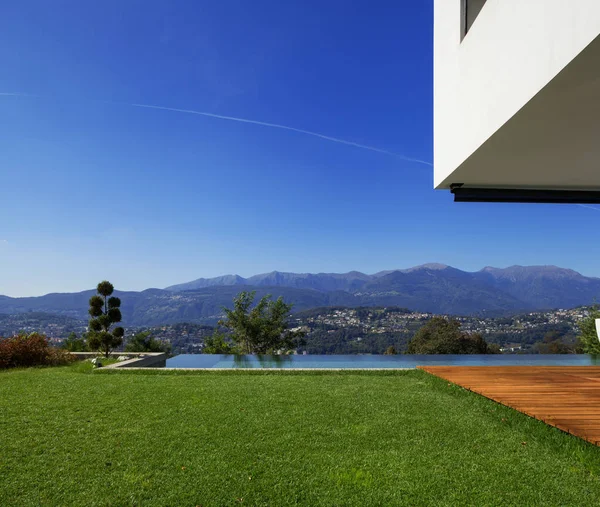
431,288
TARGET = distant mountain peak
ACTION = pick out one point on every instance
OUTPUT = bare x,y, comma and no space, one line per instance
518,270
434,266
487,269
201,283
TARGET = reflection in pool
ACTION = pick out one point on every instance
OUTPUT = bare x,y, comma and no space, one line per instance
375,361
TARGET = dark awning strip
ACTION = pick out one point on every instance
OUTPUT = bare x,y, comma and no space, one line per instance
516,195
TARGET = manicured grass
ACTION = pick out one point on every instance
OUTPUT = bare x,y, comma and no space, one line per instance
69,436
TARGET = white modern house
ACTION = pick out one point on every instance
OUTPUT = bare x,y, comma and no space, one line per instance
517,100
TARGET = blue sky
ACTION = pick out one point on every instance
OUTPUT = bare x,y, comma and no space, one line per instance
95,188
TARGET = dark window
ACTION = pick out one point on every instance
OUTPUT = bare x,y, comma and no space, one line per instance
470,10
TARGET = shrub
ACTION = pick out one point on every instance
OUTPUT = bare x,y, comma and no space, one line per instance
443,336
588,336
144,342
31,350
74,344
59,357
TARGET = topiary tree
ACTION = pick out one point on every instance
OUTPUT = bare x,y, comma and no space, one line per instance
105,311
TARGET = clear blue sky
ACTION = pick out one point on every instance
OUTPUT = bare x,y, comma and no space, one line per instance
95,188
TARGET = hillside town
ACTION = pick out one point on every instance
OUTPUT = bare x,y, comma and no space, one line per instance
337,329
385,320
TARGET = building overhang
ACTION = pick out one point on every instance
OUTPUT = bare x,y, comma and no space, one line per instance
552,143
517,118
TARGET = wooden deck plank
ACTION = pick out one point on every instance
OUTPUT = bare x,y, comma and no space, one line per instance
567,397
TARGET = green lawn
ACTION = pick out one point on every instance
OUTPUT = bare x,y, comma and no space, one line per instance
69,436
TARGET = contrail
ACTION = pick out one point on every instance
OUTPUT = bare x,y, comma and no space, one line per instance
588,207
263,124
277,126
285,127
17,94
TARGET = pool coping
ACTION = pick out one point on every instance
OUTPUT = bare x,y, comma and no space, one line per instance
150,361
256,369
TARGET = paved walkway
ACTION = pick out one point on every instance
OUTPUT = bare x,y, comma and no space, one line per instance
567,397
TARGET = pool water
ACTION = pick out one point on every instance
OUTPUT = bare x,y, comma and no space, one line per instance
375,361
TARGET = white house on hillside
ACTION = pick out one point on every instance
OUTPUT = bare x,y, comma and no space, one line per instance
517,100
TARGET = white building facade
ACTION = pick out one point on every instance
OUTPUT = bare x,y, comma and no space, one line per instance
517,99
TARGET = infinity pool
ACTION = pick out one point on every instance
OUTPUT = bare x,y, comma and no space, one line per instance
367,361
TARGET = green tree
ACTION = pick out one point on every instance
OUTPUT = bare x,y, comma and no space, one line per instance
217,343
553,343
145,342
390,351
74,344
443,336
588,337
493,348
262,329
105,311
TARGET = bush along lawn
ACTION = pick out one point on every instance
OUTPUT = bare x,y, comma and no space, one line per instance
30,350
73,436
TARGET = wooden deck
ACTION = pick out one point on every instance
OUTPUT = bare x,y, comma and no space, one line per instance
567,397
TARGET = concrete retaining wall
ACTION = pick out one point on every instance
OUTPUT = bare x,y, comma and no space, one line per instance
139,359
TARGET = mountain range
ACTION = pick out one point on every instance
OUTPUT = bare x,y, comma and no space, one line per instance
435,288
